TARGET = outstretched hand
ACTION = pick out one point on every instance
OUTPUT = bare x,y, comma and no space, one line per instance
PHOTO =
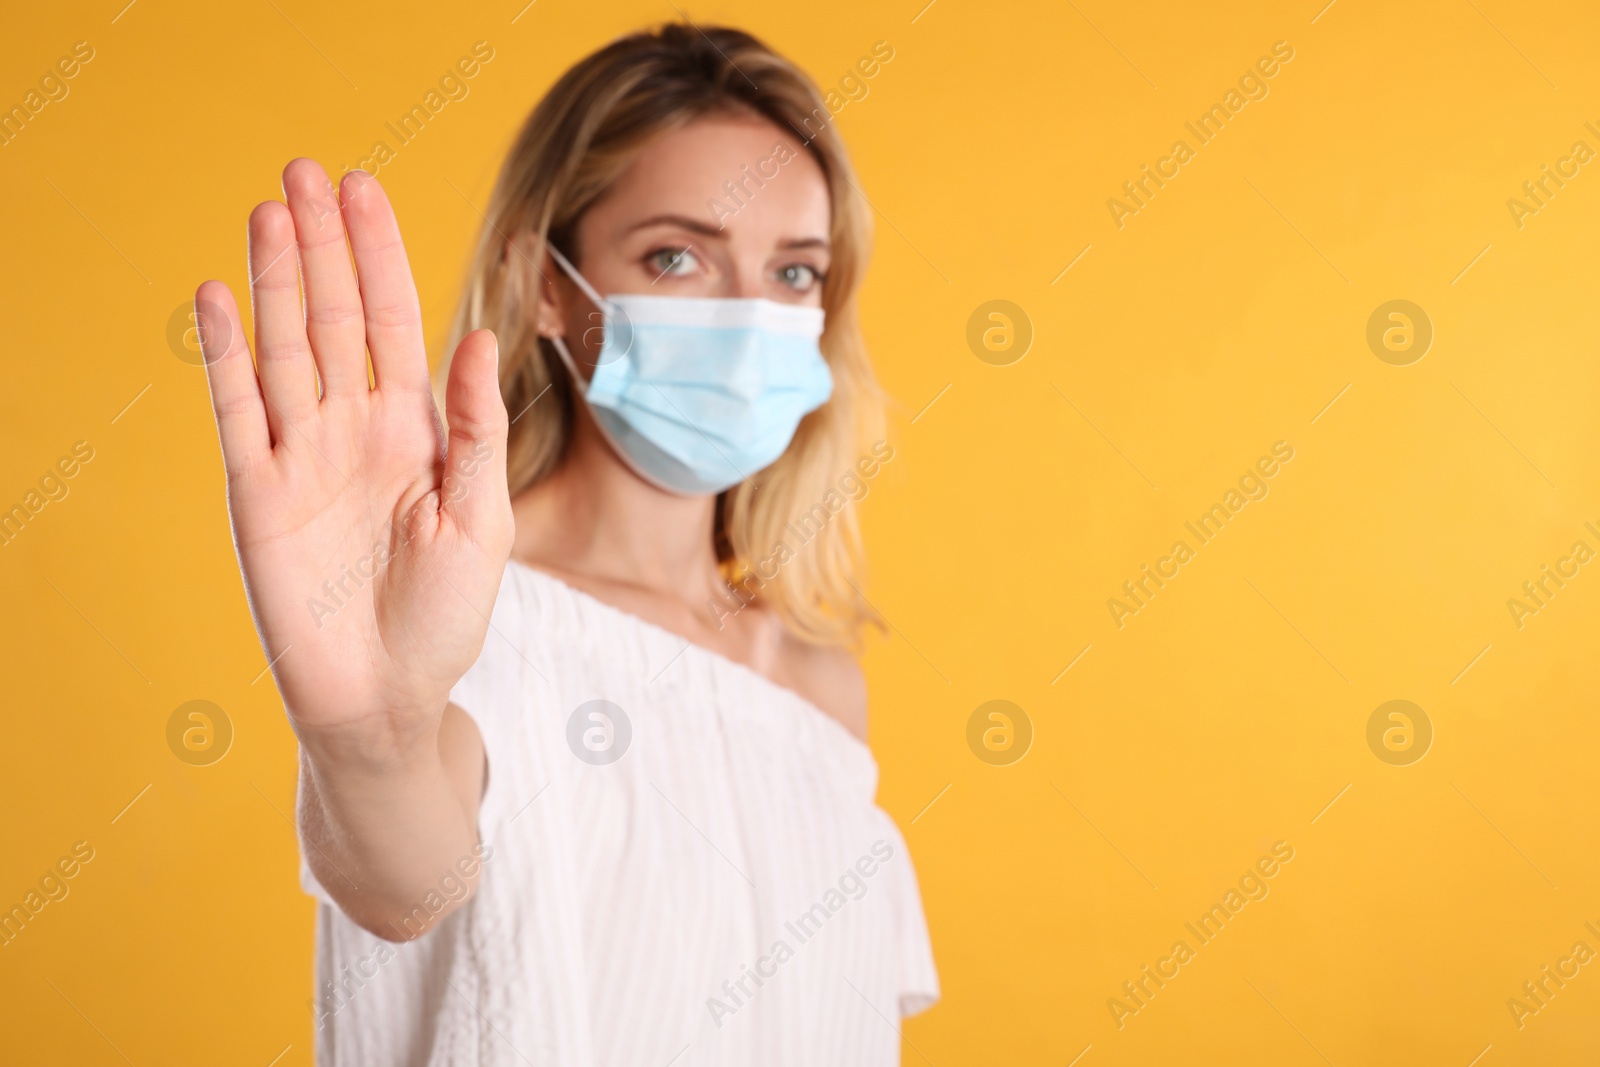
372,541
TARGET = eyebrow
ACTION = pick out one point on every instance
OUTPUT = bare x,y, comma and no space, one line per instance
693,225
705,229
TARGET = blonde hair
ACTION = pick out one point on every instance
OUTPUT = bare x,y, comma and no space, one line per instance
576,143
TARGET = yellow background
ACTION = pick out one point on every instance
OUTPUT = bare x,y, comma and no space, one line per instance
1223,317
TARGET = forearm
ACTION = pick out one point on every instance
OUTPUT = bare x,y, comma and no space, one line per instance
386,825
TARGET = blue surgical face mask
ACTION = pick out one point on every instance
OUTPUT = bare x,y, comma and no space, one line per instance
696,394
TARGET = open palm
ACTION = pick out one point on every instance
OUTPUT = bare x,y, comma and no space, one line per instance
371,542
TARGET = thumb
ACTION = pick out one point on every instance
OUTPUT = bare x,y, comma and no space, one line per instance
474,486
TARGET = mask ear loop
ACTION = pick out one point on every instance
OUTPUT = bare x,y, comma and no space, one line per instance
560,344
601,303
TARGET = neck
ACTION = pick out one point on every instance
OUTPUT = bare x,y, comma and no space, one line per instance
593,515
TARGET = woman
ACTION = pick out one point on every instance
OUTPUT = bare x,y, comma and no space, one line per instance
607,801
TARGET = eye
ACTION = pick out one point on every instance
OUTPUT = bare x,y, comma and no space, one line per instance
674,262
800,277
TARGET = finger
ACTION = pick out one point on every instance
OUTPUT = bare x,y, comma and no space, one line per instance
284,365
334,323
474,487
235,394
388,293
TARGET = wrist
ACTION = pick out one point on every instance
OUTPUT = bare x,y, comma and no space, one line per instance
386,745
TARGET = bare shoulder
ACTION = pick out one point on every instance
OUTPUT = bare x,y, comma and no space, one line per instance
831,679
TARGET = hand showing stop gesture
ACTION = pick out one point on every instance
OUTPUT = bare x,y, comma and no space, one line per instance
371,541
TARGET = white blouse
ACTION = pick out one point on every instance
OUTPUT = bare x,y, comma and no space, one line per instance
683,864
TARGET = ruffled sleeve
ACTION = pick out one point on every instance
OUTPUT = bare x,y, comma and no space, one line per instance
918,976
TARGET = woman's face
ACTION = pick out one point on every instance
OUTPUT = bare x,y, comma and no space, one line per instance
671,225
